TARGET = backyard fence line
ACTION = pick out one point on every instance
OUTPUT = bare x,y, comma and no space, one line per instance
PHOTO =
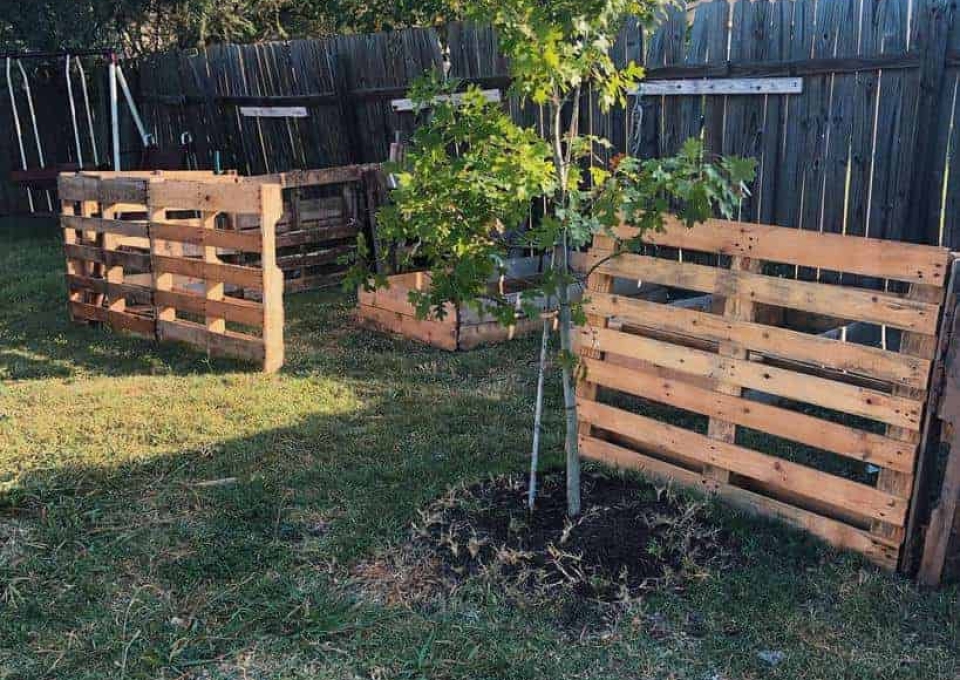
867,148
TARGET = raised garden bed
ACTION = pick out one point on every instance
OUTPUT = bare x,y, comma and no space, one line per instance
390,310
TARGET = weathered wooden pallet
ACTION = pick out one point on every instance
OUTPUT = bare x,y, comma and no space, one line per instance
390,310
940,559
750,381
146,254
323,213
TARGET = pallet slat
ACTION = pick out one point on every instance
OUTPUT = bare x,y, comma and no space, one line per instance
843,440
842,302
780,342
865,256
217,238
899,411
248,277
777,472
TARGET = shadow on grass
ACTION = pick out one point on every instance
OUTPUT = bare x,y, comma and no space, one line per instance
236,544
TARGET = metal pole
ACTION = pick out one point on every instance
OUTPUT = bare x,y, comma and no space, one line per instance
86,106
73,114
132,105
114,112
36,129
16,124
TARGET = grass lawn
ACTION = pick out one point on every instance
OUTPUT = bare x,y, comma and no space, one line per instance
118,560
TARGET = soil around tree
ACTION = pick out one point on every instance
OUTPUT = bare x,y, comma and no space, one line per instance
632,537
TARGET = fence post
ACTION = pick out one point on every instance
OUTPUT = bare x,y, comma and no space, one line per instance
271,209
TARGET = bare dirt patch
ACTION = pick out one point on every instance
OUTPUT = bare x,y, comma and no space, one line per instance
632,537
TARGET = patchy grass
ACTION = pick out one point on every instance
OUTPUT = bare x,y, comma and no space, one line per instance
164,516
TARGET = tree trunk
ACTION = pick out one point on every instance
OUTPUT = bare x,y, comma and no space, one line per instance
569,405
538,416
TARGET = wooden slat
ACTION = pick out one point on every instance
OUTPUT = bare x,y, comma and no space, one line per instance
110,258
270,210
443,335
735,309
233,197
842,302
229,345
216,238
247,277
798,427
124,321
328,256
114,190
776,472
104,226
471,336
899,411
780,342
893,481
141,294
855,255
244,312
318,235
722,86
832,531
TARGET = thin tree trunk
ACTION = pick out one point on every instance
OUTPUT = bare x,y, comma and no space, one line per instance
538,417
569,401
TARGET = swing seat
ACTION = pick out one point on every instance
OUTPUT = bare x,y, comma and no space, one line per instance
41,178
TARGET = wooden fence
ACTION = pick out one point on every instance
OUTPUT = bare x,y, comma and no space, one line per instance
145,254
764,410
868,148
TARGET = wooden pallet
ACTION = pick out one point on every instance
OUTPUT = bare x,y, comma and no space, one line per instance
940,560
390,310
750,380
146,254
323,213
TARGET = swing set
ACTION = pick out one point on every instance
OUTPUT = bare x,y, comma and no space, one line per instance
37,173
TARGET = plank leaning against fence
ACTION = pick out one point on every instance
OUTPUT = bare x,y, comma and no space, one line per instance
749,380
145,255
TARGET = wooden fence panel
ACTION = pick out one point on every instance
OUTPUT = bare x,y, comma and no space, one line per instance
736,385
868,148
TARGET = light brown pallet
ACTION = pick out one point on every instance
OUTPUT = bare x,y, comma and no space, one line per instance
390,310
137,264
742,370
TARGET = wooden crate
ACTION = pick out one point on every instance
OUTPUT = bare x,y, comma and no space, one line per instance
146,253
390,310
741,382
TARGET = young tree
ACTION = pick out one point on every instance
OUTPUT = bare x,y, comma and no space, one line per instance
471,174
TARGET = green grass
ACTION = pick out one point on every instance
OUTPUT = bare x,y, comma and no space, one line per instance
115,563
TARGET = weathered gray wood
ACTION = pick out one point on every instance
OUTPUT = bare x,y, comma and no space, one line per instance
723,86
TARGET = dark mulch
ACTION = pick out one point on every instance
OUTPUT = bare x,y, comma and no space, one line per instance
631,536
